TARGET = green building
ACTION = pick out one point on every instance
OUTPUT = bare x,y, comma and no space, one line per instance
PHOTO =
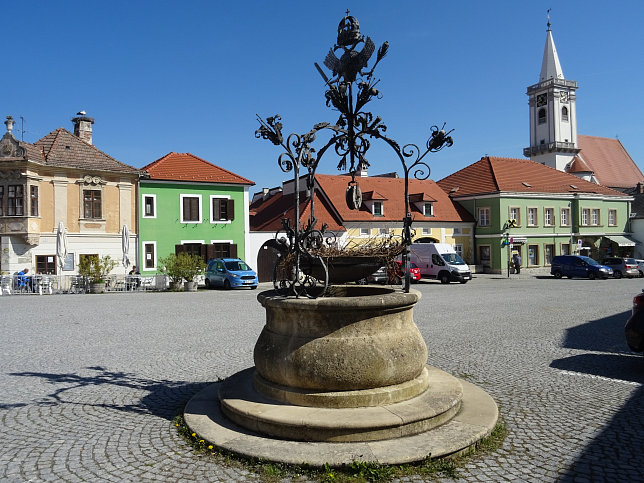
554,213
190,205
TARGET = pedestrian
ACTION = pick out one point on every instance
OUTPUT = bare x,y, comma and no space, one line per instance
516,260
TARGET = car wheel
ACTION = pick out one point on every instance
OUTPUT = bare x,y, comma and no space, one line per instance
591,275
641,274
226,284
444,277
557,274
617,274
207,283
463,281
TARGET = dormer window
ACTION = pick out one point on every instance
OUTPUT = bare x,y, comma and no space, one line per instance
428,209
377,208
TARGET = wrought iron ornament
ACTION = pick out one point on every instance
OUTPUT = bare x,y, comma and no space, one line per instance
350,87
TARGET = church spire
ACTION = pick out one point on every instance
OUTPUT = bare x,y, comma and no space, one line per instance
550,66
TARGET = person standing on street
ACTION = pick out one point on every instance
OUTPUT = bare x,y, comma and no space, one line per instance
516,260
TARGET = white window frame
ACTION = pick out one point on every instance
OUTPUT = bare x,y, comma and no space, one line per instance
154,204
427,231
564,217
380,206
548,217
456,231
365,232
612,217
199,197
515,215
595,217
585,217
428,208
458,248
383,231
212,215
154,244
484,216
533,219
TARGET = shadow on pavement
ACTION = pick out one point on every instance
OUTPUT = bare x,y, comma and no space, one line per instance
600,335
617,452
163,398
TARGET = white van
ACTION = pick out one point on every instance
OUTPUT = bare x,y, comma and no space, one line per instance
439,261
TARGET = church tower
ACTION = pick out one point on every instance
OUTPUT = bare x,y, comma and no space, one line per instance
553,117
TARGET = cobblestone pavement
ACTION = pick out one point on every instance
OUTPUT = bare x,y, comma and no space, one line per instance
90,383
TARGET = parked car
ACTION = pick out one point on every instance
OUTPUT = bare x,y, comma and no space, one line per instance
230,273
578,266
622,267
393,275
640,266
634,329
414,271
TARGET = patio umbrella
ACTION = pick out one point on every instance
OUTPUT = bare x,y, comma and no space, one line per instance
126,246
61,245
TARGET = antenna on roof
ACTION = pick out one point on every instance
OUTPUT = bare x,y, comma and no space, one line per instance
22,129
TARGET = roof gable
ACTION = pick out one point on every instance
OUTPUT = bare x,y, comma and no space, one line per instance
610,162
61,148
188,167
494,175
392,191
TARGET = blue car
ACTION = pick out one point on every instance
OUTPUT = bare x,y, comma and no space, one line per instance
578,266
230,273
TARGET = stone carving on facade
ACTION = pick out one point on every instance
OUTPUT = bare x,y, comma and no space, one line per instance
10,148
10,175
93,180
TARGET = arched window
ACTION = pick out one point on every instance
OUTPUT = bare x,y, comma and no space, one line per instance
542,116
564,113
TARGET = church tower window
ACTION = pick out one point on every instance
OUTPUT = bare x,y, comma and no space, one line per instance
542,116
564,113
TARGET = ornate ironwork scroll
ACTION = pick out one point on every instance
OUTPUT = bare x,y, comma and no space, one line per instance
350,87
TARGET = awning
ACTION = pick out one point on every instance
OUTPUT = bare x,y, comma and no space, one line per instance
623,241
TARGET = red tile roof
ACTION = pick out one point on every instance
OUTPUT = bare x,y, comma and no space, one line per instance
391,190
267,214
188,167
62,148
493,175
610,162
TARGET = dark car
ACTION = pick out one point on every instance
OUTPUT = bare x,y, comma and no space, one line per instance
622,267
578,266
634,329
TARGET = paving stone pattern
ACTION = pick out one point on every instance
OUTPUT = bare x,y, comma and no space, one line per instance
90,383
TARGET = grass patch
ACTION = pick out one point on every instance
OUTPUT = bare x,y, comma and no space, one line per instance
357,472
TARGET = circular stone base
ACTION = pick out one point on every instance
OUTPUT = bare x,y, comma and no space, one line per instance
475,420
378,396
246,407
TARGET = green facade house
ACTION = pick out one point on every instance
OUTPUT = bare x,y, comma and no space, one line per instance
554,213
190,205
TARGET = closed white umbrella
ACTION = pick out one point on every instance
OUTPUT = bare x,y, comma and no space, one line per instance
61,245
126,246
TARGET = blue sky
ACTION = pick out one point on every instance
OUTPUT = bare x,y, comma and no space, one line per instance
189,76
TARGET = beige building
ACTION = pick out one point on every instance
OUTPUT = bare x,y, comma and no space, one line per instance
64,178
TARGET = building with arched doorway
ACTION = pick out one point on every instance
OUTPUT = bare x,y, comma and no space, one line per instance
435,217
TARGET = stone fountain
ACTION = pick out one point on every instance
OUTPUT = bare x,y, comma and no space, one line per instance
341,371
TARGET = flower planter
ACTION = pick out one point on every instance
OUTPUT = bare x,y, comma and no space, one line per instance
190,286
97,287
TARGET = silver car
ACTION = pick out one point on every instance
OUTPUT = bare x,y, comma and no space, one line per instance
622,267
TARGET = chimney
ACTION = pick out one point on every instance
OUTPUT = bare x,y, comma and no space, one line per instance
640,188
83,126
362,170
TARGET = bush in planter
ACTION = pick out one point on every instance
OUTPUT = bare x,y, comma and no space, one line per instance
96,268
183,266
